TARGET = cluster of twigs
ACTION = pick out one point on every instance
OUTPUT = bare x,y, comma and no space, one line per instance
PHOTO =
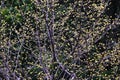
11,65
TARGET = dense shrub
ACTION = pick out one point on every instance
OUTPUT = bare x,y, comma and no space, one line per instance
54,40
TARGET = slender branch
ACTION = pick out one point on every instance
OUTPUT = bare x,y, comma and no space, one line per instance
50,30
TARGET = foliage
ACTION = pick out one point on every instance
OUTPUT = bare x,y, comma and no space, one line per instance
54,40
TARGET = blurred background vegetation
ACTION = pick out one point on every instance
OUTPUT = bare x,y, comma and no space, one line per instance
59,39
